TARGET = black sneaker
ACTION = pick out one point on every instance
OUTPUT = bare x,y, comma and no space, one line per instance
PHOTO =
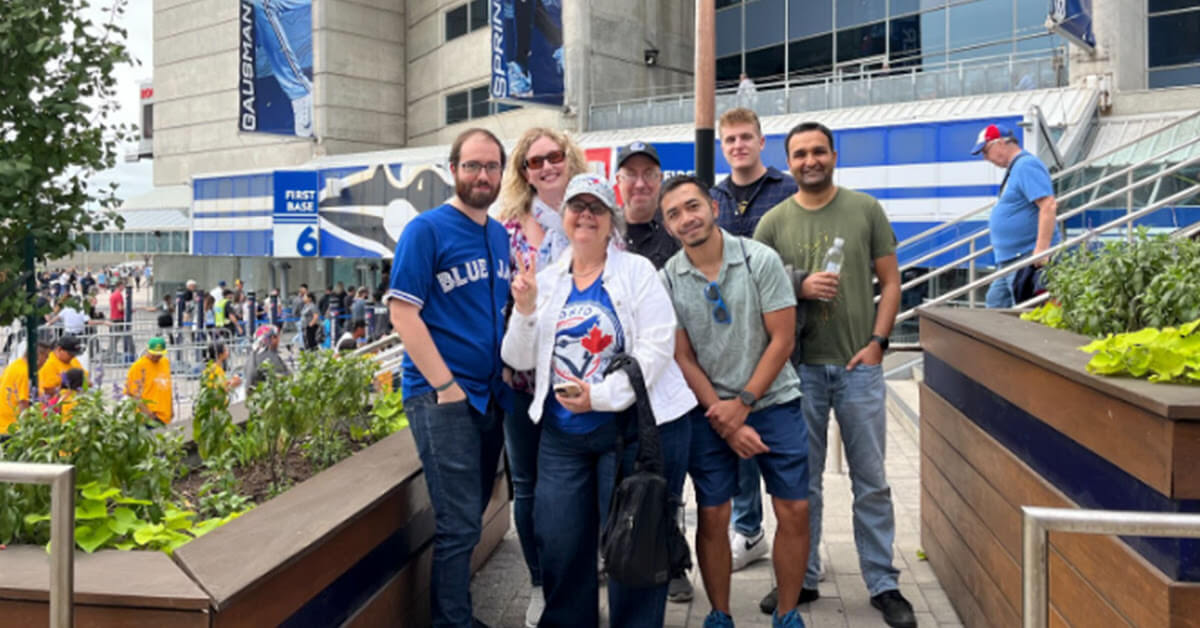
771,600
897,612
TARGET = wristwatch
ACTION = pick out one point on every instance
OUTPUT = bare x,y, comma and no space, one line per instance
882,340
747,398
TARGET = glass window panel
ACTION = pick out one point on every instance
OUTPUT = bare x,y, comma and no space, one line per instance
457,107
148,121
456,22
729,31
479,14
479,101
864,41
980,22
811,56
1175,77
1170,5
905,36
902,7
855,12
728,69
1173,39
139,242
809,18
764,23
1046,42
1031,14
181,242
765,63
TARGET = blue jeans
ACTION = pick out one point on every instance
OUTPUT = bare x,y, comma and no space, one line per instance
521,436
857,399
1000,293
459,449
575,480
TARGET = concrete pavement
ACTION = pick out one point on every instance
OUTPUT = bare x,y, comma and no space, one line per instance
501,589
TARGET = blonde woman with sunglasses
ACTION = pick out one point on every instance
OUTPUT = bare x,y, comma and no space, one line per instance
542,163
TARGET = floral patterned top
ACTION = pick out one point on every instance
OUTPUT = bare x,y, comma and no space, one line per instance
554,243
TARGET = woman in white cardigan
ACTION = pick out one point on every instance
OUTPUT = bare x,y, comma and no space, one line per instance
568,321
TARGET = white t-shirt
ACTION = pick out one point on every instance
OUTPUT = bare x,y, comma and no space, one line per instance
73,320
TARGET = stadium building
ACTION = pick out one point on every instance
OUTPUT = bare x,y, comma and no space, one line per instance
308,131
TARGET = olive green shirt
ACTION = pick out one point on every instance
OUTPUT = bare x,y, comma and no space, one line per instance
833,330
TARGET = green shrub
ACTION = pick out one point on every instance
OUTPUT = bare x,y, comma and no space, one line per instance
1126,286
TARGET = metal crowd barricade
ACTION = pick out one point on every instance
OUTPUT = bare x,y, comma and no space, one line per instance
1037,522
61,478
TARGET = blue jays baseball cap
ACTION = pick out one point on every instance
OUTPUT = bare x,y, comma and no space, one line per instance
637,148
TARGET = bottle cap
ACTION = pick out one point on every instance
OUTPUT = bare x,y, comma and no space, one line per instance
838,242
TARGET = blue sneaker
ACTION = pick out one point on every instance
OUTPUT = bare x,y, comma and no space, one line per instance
717,619
791,620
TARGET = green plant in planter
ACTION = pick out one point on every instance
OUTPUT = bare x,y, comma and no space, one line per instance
387,416
106,518
107,443
1170,355
1126,286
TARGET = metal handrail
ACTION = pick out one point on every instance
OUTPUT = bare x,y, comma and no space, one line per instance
1062,173
897,67
1012,268
1037,523
1060,218
61,478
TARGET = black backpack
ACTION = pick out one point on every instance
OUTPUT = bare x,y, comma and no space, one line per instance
641,544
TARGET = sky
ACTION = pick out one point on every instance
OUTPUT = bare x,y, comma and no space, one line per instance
134,178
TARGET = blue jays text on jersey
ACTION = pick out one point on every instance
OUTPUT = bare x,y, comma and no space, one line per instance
474,270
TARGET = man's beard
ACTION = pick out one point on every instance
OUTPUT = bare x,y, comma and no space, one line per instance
473,197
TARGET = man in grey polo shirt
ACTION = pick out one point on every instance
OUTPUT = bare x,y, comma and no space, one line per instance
736,310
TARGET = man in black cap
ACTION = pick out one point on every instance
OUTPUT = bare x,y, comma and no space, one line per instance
639,177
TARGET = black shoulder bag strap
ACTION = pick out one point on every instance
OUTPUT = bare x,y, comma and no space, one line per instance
1008,172
649,458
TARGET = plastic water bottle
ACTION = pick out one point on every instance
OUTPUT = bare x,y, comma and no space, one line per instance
833,258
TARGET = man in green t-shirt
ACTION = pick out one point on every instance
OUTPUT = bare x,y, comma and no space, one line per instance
843,340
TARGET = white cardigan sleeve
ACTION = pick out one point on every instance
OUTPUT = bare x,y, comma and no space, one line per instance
654,344
519,347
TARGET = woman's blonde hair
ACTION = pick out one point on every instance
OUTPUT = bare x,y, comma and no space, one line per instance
516,194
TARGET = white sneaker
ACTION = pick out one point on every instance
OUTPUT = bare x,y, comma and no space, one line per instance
746,551
537,604
302,113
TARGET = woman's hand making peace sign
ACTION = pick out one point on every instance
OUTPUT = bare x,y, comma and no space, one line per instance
524,285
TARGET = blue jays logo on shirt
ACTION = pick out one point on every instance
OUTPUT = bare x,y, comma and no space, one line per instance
474,270
585,339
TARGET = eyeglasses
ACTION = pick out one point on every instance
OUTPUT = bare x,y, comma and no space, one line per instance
595,208
535,163
650,177
473,167
720,312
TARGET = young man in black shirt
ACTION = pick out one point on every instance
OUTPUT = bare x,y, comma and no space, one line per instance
639,177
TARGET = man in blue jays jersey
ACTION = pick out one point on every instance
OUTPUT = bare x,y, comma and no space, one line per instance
446,296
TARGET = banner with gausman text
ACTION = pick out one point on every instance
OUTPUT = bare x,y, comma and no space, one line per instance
275,67
527,51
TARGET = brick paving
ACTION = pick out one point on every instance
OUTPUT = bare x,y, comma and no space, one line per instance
501,589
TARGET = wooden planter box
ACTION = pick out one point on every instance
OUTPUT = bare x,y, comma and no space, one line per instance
1011,417
352,546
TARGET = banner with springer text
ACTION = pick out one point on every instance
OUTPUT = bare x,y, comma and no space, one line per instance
527,51
275,67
